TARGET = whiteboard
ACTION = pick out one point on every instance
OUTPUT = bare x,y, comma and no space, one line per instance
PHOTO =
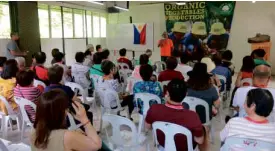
72,46
122,36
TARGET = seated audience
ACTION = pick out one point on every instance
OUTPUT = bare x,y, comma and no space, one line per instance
220,70
261,78
149,52
88,58
143,60
21,63
258,106
147,86
173,112
79,71
245,72
7,83
2,61
96,68
50,130
200,86
258,56
98,48
105,54
124,59
170,73
41,72
55,77
25,89
59,58
226,61
183,67
108,82
54,52
210,67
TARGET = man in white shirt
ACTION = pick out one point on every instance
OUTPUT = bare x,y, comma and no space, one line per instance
79,71
183,67
261,78
254,125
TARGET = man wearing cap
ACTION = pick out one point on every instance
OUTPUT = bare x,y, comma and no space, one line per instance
193,42
218,37
166,46
13,49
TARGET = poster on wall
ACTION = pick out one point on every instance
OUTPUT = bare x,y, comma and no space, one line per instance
197,28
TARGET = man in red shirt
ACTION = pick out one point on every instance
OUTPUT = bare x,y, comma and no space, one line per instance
41,72
124,59
170,73
173,112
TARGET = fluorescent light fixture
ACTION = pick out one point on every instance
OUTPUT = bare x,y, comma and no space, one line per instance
253,1
121,8
98,3
180,3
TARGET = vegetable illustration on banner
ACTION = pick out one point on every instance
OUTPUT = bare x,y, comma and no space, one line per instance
197,27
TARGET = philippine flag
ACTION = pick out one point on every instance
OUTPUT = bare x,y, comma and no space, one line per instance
140,34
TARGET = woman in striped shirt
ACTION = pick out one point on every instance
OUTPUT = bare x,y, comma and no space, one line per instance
259,104
25,89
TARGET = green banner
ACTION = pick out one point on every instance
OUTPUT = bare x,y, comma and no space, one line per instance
195,19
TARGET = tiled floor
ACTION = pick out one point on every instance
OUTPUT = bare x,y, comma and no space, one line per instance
217,125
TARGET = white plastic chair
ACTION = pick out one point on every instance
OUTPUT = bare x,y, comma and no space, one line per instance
95,79
83,92
145,98
246,80
222,78
164,83
106,96
160,66
37,82
73,125
123,66
3,145
131,81
225,94
117,134
193,102
245,144
124,75
170,130
6,119
25,118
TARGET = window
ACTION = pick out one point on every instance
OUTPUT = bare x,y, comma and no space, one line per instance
78,23
50,22
56,22
96,27
4,20
43,14
68,22
89,24
103,27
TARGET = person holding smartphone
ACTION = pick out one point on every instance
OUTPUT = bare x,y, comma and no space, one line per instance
50,132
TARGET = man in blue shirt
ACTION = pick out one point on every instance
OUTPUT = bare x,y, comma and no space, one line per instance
13,49
220,70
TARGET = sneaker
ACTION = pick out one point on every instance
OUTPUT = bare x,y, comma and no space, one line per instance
259,38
